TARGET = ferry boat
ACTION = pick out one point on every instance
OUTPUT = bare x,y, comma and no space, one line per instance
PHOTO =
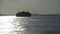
23,14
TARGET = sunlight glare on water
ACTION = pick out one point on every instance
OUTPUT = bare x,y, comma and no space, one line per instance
5,21
6,25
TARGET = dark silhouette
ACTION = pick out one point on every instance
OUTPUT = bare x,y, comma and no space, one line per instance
23,14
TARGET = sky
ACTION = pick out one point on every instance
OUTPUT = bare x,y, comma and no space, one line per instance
33,6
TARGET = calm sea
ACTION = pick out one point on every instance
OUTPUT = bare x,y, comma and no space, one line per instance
30,25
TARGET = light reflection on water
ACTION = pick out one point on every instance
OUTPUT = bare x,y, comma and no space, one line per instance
8,25
29,25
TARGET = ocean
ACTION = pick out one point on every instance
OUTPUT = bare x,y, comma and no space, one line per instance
36,24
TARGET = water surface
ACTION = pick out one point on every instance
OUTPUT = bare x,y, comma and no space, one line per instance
30,25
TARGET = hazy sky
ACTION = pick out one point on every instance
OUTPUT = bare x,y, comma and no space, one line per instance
33,6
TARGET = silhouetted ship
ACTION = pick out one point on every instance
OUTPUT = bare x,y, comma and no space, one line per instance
23,14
